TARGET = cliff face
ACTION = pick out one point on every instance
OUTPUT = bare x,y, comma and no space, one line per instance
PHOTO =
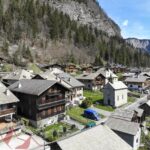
138,43
89,13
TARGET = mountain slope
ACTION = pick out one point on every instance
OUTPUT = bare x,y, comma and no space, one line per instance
88,13
140,43
47,31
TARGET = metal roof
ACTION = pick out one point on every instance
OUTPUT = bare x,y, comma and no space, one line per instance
136,79
91,76
6,96
123,126
96,138
33,87
18,75
117,85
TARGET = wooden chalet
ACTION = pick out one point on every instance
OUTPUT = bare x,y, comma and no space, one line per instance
41,101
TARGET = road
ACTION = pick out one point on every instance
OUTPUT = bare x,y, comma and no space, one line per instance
103,112
137,103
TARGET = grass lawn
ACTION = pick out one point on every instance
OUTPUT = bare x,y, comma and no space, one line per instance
34,67
58,127
48,132
131,99
76,113
97,99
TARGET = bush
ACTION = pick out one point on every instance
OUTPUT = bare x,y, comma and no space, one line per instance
73,127
64,129
86,103
55,134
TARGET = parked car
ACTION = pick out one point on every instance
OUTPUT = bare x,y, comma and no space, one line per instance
91,114
90,125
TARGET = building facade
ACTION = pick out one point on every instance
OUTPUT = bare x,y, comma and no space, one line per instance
42,102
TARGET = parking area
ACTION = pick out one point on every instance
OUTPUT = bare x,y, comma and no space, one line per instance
22,142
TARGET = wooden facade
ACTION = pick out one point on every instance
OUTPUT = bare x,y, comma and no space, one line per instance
7,109
50,103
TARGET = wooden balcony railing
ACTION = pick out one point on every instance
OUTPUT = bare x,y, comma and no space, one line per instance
7,111
51,104
40,116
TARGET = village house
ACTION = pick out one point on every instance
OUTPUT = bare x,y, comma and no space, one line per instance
53,66
97,80
72,68
127,75
126,124
41,101
75,95
87,68
130,132
137,83
97,138
8,108
116,68
115,94
16,76
146,108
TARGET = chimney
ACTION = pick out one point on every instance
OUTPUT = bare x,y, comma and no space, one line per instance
69,79
7,92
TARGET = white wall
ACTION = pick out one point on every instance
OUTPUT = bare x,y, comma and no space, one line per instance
121,97
137,139
116,97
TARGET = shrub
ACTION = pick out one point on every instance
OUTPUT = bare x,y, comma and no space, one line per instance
86,103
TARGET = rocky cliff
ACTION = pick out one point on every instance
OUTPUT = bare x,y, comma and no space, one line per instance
89,13
139,43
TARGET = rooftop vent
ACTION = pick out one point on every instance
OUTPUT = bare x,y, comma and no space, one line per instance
19,85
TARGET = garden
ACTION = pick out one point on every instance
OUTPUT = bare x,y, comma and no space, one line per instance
96,98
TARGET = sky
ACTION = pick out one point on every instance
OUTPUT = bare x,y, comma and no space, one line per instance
133,16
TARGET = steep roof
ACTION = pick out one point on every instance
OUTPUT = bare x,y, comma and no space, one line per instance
33,87
18,75
66,79
123,126
139,79
70,80
123,114
117,85
91,76
96,138
6,96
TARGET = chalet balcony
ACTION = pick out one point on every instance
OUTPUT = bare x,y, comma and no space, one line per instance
54,94
51,104
40,116
7,111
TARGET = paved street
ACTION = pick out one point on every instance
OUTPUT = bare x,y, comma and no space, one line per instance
103,112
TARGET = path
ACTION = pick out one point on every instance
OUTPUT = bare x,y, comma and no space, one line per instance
78,125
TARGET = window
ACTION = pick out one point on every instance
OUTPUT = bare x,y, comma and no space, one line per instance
122,97
55,110
137,140
49,111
